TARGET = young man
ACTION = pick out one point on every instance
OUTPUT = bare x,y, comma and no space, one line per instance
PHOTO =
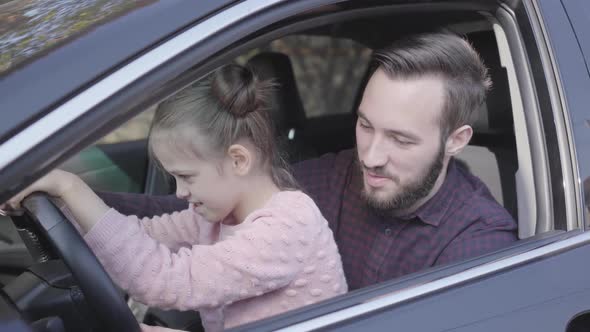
400,203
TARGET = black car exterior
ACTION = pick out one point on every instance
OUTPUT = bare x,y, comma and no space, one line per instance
66,97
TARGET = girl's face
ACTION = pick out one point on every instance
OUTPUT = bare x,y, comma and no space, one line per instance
210,186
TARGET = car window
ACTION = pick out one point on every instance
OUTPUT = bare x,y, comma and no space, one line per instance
101,168
118,161
579,15
328,71
135,129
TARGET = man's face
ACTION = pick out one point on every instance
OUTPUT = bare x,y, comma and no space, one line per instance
398,135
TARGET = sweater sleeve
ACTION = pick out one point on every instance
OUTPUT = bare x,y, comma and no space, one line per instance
176,230
255,260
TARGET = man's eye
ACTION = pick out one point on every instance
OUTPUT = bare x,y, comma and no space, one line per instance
402,141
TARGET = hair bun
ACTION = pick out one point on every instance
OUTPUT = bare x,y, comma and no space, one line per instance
237,90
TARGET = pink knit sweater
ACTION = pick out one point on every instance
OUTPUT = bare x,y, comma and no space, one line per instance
281,257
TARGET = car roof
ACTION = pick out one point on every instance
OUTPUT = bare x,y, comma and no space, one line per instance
42,64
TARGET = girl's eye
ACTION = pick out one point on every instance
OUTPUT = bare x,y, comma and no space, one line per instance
185,177
364,125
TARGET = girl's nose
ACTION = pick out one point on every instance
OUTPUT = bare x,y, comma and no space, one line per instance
182,193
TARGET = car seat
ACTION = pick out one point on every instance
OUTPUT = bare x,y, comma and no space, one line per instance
286,107
491,154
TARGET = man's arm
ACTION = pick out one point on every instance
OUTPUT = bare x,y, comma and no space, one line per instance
142,205
313,175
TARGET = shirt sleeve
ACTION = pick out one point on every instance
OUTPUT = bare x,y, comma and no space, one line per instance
255,260
478,239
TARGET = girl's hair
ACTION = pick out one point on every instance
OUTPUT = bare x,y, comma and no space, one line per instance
230,104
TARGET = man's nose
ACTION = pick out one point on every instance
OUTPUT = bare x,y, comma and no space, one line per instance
375,155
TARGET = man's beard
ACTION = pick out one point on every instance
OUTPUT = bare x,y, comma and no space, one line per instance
408,194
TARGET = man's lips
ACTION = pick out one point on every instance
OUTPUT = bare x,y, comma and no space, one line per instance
375,180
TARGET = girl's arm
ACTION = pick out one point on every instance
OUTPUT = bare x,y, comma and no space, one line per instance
179,229
86,207
262,258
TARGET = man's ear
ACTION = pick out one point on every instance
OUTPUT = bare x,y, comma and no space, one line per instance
240,158
458,139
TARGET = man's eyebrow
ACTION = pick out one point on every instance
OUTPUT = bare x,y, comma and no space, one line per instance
403,133
392,131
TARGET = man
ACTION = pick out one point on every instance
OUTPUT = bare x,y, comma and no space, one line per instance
400,203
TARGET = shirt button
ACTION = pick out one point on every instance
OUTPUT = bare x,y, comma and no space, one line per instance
388,231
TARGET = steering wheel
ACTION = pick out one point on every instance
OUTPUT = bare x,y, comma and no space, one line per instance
47,222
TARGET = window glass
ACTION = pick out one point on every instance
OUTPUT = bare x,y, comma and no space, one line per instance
135,129
328,70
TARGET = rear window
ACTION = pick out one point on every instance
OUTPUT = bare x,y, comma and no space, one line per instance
328,70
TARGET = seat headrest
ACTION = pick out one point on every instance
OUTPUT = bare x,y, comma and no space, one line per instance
496,114
285,102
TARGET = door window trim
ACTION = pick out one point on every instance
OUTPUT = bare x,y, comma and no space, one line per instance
409,293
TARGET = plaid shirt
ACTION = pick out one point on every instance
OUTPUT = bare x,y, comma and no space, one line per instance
461,220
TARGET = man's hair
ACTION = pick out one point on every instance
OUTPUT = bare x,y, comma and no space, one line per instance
445,55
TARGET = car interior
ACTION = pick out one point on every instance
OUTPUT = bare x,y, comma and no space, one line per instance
491,154
306,132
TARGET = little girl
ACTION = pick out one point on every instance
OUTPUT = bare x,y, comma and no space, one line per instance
249,245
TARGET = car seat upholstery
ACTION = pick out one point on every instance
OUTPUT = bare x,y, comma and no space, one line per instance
286,106
491,154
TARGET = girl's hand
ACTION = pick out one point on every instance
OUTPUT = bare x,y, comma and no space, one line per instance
55,183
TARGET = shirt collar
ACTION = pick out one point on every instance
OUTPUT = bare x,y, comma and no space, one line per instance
436,207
